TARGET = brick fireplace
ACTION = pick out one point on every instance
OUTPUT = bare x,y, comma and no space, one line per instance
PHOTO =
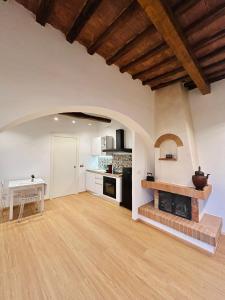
178,193
202,227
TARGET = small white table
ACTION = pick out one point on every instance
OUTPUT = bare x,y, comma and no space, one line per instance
20,185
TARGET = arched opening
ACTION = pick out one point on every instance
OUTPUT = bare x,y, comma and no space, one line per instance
142,144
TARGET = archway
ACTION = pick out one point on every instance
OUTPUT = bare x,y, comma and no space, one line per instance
123,119
143,148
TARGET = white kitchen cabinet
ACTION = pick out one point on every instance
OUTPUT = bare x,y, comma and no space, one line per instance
98,184
90,179
101,143
94,183
96,148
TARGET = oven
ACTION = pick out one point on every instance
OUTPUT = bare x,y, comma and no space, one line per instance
109,186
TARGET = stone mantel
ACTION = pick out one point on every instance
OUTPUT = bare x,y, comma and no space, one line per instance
178,189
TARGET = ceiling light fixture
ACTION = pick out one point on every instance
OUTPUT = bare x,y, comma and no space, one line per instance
56,119
89,124
74,122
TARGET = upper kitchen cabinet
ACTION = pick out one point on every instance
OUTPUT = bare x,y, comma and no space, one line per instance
101,143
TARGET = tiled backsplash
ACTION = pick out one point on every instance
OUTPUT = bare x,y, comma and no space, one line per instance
103,161
121,161
118,161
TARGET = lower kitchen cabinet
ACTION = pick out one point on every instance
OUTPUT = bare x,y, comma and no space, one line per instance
94,183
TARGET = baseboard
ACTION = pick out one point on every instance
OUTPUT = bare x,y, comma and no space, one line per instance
196,244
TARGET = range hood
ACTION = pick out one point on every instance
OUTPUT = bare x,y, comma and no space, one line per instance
119,143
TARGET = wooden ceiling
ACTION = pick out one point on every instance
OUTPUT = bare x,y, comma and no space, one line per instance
159,42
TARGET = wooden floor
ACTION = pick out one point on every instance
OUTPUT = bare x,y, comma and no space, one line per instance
84,247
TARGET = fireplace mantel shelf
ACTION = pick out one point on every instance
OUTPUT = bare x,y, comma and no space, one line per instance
178,189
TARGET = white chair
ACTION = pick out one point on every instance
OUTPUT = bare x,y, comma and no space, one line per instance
3,199
28,195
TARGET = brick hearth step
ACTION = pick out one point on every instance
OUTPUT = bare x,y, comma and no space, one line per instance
208,230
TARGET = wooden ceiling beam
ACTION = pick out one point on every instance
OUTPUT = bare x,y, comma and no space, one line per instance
44,11
213,65
118,22
162,18
146,56
130,44
164,84
199,45
191,85
153,68
86,116
85,14
212,54
164,76
184,6
179,9
209,40
206,20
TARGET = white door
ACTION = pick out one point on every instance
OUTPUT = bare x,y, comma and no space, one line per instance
64,166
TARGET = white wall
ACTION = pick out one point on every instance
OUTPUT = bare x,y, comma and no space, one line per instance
26,149
142,163
41,73
172,115
209,123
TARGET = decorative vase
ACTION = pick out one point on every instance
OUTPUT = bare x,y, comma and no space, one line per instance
199,179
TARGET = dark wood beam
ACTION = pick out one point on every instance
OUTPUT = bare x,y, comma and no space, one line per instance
212,54
179,9
159,86
44,11
86,116
183,6
85,14
199,45
130,45
206,20
144,57
209,40
153,68
162,17
118,22
191,85
165,76
213,65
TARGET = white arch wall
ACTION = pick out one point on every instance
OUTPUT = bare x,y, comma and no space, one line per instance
41,73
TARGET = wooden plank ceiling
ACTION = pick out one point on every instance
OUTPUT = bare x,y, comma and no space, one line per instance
159,42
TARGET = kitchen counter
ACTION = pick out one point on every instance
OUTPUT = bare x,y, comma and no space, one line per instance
102,172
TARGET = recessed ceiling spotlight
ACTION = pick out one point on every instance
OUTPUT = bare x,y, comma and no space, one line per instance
74,122
89,124
56,119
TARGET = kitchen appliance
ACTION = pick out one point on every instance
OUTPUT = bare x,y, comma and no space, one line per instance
109,187
150,177
109,168
119,143
127,188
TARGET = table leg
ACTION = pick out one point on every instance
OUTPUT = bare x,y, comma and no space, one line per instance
11,205
42,199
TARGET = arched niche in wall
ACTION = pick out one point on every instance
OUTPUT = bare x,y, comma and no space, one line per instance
168,144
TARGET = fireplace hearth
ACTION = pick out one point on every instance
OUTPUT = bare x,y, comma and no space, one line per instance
175,204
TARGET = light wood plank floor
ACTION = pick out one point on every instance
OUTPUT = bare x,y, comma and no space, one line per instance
84,247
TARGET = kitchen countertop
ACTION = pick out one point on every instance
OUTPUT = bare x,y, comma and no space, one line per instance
102,172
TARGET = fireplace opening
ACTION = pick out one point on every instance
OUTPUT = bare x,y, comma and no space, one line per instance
175,204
